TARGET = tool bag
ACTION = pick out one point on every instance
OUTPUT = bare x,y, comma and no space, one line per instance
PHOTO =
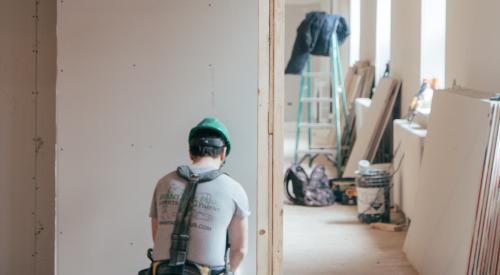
311,190
178,263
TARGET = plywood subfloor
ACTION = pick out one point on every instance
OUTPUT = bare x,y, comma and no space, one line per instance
330,240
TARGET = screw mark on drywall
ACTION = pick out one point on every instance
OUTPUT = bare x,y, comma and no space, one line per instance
38,144
211,71
40,229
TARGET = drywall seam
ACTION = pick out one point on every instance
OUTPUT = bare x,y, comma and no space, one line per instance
37,140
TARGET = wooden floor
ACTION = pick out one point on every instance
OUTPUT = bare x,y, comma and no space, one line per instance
330,240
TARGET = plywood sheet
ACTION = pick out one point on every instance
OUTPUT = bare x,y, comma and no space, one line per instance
369,78
440,233
131,84
385,94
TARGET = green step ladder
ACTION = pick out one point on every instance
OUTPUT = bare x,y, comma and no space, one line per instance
337,153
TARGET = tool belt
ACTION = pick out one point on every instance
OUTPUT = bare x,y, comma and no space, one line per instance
178,263
190,268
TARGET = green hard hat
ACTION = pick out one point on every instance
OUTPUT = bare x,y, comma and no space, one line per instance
211,123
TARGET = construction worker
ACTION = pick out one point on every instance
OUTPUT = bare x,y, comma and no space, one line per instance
219,210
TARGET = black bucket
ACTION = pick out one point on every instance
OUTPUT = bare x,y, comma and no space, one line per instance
373,188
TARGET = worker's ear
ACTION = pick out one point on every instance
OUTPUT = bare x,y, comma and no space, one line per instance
223,155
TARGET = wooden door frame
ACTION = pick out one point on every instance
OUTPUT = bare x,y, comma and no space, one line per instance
270,112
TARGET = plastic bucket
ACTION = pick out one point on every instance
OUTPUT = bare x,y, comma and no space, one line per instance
373,186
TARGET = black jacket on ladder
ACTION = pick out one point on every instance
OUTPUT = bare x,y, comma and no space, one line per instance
314,36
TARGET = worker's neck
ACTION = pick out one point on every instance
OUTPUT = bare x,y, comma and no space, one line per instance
207,162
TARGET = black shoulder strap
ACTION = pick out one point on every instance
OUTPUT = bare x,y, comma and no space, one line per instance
181,234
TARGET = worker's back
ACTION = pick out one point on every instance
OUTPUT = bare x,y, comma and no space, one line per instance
215,204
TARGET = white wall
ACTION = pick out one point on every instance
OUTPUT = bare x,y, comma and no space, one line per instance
405,47
134,76
473,44
368,30
27,177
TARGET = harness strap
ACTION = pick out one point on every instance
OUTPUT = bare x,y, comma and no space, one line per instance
181,234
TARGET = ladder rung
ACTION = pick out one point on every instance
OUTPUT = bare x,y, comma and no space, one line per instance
317,99
316,74
317,151
316,125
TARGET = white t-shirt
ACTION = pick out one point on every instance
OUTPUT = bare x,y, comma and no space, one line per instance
215,204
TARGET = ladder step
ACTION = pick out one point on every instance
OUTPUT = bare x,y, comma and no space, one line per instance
317,151
316,74
317,99
316,125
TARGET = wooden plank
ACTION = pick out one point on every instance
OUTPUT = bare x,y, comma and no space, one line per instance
277,19
369,77
264,168
453,162
377,115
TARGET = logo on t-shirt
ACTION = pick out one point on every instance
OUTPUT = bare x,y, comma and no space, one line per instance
204,205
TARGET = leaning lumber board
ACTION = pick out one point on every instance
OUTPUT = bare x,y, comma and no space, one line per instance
440,234
381,102
368,83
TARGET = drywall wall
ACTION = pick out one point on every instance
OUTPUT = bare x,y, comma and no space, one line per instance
27,136
133,78
405,47
368,30
471,45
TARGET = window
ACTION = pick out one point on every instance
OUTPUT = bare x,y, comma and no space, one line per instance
355,16
383,40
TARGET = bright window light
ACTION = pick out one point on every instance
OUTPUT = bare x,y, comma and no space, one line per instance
383,40
433,41
355,18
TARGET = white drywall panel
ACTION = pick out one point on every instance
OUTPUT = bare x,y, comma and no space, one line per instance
368,30
409,142
134,77
405,47
471,46
440,234
27,178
